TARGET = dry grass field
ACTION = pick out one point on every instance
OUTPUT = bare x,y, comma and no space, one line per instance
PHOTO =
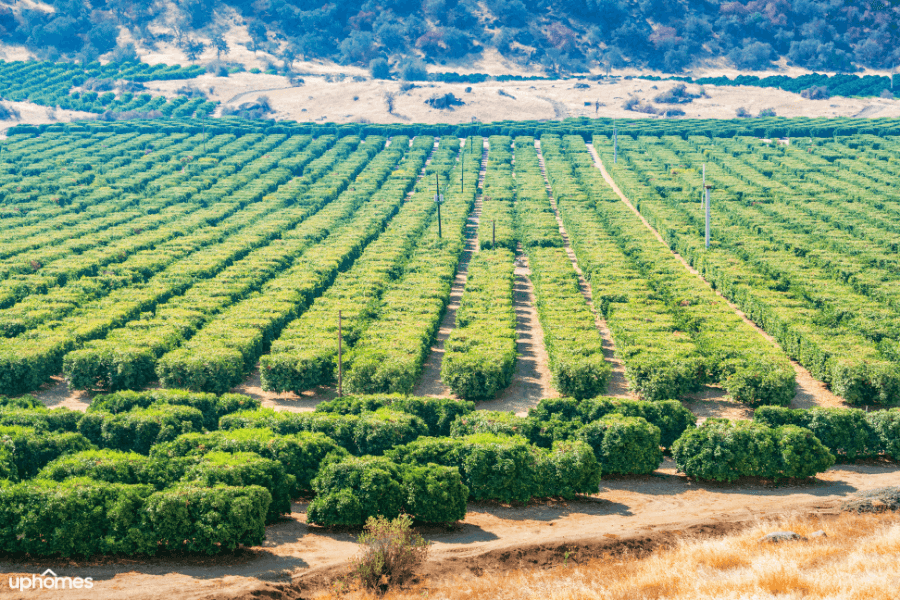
855,559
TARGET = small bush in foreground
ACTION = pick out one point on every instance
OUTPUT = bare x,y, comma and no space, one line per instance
389,553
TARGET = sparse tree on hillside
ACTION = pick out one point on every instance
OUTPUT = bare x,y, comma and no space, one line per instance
219,43
193,49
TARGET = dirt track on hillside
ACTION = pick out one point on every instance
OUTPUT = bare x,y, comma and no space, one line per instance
629,513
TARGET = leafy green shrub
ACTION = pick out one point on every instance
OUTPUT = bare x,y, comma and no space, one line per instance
503,468
76,517
670,416
844,431
140,429
40,418
242,469
213,407
351,491
300,454
762,384
495,422
389,553
364,433
624,445
20,402
581,375
114,466
183,368
801,452
8,471
723,450
434,494
568,469
438,413
31,449
208,520
885,425
659,378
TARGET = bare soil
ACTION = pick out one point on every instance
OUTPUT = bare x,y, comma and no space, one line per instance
628,514
531,379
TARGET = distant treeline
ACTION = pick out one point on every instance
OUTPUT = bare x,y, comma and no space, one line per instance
767,127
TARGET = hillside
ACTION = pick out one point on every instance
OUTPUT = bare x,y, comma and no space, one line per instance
572,36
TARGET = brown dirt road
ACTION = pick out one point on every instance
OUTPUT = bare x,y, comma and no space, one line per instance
632,514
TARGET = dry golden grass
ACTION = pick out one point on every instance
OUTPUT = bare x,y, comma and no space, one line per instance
858,560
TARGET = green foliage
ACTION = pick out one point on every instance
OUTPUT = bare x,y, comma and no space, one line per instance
494,422
76,517
31,449
670,416
114,466
300,454
885,425
802,454
568,469
24,402
207,520
624,445
723,450
363,433
493,467
845,432
434,494
437,413
140,429
761,384
241,469
352,490
480,353
213,407
40,418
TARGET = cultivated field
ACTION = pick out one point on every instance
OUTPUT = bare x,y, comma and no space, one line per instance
554,328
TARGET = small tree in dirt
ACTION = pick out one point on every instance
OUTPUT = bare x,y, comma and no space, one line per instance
389,553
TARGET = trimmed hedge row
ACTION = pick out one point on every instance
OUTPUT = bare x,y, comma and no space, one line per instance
364,433
300,454
573,342
305,354
723,450
508,468
211,406
621,444
30,449
140,429
437,413
350,491
670,416
82,517
848,433
480,353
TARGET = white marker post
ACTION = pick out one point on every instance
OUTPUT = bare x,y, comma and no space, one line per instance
707,188
438,199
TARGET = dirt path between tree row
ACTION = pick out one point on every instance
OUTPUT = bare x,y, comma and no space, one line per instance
712,401
430,383
632,514
618,384
531,379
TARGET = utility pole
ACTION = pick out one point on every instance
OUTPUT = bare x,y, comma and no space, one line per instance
707,188
615,144
438,199
704,186
340,359
462,167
